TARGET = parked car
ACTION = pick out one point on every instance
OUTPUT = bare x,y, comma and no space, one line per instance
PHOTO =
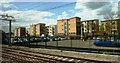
54,39
14,40
106,43
32,39
44,39
98,38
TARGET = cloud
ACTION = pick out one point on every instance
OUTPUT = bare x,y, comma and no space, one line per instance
93,4
50,21
25,18
4,1
64,15
111,9
96,5
95,9
6,5
5,26
87,14
98,1
104,10
31,15
41,0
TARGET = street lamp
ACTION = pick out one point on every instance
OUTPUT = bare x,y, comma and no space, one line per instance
6,17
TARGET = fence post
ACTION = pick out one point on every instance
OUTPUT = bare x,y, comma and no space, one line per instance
57,42
71,42
45,43
89,45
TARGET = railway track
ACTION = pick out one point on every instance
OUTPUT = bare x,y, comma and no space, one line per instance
88,50
32,56
16,54
22,57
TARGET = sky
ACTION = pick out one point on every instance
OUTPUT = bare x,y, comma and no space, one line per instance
49,11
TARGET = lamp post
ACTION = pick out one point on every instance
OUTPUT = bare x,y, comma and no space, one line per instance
6,17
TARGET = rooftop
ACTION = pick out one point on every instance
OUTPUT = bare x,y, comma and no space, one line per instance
91,20
68,19
111,20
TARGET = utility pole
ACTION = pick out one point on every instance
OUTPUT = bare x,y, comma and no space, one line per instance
6,17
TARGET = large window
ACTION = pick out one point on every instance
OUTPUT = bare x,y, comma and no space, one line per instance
65,27
65,23
78,24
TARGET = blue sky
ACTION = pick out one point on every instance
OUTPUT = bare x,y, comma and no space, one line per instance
54,7
49,11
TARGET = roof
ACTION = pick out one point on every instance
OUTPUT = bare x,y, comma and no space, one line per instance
62,19
111,20
37,24
21,27
74,17
68,19
90,20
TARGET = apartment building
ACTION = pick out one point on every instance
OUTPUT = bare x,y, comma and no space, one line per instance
32,30
37,30
40,29
28,30
89,27
55,30
69,27
52,30
20,32
15,31
111,26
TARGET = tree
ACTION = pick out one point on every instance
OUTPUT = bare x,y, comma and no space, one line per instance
4,37
111,15
101,28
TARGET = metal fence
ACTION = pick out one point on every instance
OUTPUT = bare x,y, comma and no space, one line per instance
76,44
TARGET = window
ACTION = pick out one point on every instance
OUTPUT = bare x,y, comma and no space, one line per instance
114,27
65,27
65,23
113,22
78,24
65,31
69,28
82,28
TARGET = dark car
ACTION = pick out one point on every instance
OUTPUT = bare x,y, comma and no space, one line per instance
45,39
106,43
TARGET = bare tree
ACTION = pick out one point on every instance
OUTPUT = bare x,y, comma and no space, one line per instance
111,15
